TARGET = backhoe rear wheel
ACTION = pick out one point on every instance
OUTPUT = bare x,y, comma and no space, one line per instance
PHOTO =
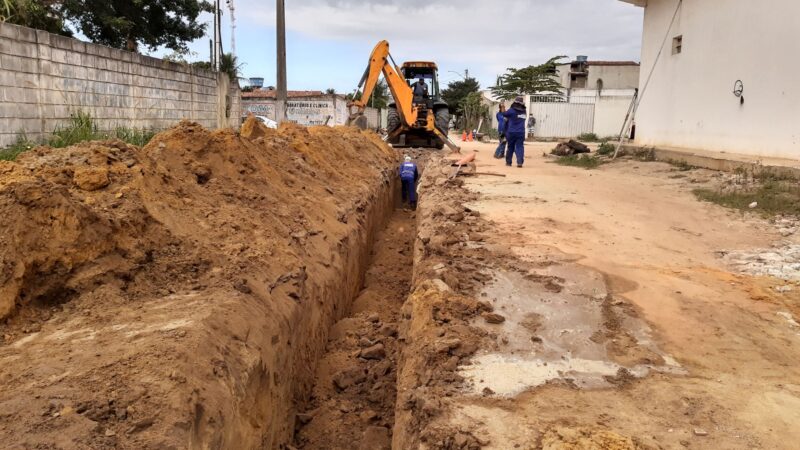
392,120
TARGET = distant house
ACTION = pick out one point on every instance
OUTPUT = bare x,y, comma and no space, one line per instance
595,99
599,76
723,76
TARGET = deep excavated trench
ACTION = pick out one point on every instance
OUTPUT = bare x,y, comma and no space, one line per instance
353,400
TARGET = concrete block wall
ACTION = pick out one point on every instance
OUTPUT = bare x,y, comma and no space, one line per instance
45,77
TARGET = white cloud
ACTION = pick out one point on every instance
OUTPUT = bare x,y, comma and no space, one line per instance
485,36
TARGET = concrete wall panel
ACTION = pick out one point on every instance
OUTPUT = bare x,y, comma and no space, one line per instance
44,78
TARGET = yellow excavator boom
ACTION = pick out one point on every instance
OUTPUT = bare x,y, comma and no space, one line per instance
415,120
379,62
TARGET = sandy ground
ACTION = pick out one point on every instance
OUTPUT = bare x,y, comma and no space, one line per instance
650,339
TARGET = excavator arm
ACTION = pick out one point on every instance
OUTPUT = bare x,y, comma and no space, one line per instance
381,62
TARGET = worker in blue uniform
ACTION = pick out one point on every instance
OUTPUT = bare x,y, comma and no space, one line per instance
500,153
515,131
408,177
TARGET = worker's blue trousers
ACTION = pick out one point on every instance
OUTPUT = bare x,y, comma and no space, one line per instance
516,146
501,149
409,191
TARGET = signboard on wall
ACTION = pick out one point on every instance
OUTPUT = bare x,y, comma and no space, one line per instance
259,109
310,112
303,112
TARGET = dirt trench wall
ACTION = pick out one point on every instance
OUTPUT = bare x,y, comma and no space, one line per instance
178,296
437,315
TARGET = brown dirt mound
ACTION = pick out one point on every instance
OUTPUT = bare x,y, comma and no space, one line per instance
149,293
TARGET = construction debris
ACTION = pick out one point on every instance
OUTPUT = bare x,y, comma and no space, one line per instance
571,147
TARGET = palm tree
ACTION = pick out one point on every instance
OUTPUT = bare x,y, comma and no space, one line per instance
228,63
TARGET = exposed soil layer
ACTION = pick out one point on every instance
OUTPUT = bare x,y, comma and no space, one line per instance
352,403
178,295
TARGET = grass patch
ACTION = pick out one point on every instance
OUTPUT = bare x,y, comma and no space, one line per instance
588,137
134,136
606,149
582,160
680,164
23,144
774,197
81,127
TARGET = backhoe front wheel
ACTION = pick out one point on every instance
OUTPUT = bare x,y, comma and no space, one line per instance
443,120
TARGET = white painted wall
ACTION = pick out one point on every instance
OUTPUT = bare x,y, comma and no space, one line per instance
690,102
609,113
308,111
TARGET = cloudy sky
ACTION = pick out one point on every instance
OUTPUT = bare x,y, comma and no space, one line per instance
328,41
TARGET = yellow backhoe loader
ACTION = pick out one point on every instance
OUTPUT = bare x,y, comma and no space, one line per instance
417,117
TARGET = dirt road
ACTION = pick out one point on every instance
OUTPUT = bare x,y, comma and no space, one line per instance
650,338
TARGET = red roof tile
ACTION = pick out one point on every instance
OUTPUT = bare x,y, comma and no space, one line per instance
264,93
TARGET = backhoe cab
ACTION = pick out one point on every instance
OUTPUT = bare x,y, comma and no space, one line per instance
413,120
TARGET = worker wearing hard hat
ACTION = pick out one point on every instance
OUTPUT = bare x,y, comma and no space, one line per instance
408,177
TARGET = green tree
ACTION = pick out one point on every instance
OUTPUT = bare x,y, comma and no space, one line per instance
129,24
457,91
473,110
40,14
529,80
380,96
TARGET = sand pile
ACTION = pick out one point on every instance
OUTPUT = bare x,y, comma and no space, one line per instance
77,217
181,291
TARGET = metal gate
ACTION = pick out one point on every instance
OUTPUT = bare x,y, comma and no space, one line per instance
561,119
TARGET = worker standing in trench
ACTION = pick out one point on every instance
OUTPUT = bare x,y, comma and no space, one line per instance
408,177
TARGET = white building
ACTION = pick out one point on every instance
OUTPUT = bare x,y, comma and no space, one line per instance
726,77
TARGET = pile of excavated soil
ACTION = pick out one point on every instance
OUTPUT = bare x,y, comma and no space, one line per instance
178,294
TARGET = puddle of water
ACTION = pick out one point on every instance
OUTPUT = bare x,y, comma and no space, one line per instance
550,335
510,376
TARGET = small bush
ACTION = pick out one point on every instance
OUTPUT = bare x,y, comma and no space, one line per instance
680,165
606,148
588,137
581,160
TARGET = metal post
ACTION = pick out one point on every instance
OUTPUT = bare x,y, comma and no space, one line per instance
232,9
280,104
217,37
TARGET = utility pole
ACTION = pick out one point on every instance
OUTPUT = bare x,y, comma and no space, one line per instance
280,104
232,9
466,74
215,50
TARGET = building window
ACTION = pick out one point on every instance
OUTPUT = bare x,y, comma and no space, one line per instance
677,44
